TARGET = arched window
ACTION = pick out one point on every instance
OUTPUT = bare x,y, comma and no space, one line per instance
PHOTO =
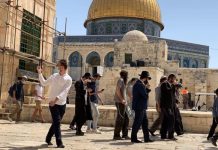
75,60
93,59
109,59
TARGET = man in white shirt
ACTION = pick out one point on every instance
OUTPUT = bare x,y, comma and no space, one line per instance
60,84
39,90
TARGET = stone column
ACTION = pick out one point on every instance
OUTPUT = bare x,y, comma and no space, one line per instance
83,66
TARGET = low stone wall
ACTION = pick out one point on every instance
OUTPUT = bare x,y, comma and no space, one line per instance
193,121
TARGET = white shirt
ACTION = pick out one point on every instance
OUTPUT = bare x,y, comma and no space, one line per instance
59,87
39,92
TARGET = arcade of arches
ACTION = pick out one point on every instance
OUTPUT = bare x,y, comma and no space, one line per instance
88,63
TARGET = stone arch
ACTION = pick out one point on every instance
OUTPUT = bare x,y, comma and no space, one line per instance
93,59
109,59
75,59
194,63
75,65
186,62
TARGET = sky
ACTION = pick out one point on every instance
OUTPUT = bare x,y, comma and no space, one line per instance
194,21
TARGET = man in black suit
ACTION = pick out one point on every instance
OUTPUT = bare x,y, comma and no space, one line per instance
139,105
80,103
167,104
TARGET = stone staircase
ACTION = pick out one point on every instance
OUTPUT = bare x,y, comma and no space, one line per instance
4,113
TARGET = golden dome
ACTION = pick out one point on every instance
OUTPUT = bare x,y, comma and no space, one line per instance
142,9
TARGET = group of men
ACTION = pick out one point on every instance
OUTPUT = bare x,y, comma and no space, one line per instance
167,98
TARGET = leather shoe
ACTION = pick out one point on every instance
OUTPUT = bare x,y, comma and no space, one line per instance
148,141
61,146
213,140
79,133
49,143
126,137
136,141
173,139
117,138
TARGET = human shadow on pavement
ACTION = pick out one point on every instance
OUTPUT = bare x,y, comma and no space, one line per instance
122,143
102,140
211,148
43,146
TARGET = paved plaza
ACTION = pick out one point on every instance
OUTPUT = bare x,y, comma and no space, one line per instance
30,136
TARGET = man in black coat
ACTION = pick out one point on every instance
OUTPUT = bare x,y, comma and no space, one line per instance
167,104
80,103
139,105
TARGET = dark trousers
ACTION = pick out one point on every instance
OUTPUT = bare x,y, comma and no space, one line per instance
178,122
157,122
168,123
212,128
140,120
73,122
80,117
57,113
122,121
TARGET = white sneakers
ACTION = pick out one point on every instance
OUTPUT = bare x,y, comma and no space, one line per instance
93,131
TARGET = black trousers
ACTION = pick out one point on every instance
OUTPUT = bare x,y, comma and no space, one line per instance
178,121
80,117
168,123
122,121
140,120
57,113
212,128
73,122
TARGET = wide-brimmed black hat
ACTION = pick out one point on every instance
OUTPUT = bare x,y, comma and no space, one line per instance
145,74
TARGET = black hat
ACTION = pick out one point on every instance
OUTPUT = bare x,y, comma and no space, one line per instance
87,75
97,75
145,74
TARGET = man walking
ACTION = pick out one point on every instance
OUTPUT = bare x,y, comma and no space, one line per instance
158,121
81,102
60,84
17,94
139,105
167,104
122,119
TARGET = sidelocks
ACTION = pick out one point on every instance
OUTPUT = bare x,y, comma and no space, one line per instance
197,106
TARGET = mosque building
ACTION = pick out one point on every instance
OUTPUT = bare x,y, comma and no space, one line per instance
110,20
127,36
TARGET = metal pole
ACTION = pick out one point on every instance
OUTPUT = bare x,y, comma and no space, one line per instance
3,61
65,30
15,35
43,33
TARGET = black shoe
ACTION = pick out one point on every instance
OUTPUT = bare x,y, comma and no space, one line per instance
180,133
209,138
49,143
213,140
136,141
61,146
148,141
151,132
117,138
80,133
173,139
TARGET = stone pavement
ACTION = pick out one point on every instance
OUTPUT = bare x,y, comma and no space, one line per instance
30,136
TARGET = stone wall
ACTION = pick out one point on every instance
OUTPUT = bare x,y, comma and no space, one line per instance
199,80
197,122
152,53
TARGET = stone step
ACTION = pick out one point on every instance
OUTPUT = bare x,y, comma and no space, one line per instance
4,115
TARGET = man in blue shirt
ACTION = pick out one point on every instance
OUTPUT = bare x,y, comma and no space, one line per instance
139,105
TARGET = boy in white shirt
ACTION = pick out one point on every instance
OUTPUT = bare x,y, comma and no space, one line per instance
39,92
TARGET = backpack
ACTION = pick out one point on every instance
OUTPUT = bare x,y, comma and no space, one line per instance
12,89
